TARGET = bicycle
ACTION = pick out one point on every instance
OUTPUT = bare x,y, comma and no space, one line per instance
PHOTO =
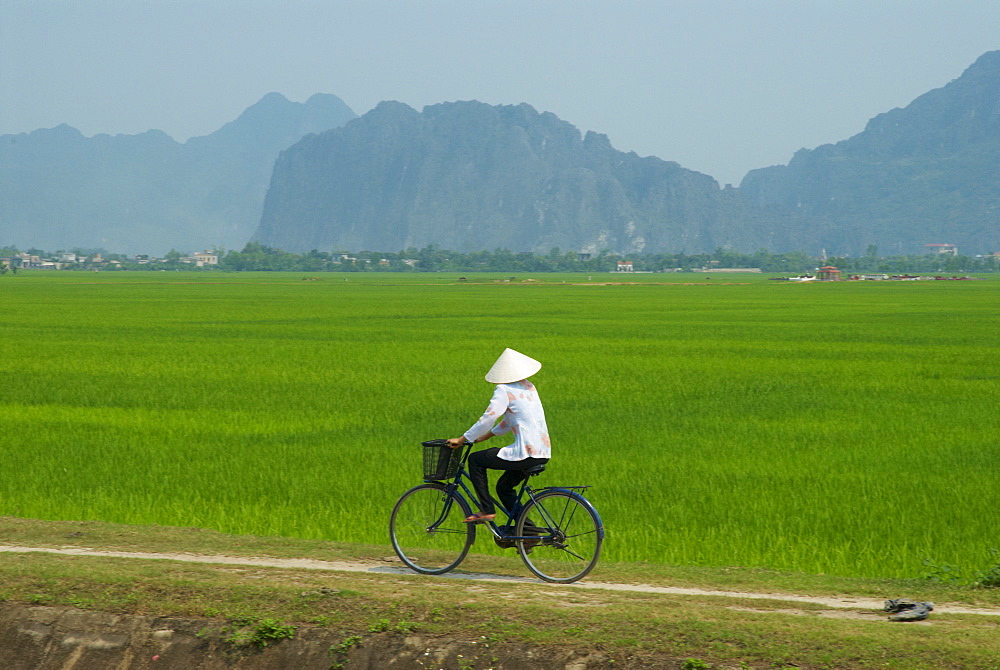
556,530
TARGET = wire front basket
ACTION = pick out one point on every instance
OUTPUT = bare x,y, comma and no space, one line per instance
440,461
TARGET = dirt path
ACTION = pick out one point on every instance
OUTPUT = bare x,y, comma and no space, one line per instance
386,568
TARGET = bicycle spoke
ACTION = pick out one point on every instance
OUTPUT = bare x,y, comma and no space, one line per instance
574,554
445,531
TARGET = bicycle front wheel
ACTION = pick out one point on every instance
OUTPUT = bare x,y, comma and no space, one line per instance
428,530
570,535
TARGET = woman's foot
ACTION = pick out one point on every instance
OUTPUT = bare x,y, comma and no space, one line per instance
480,518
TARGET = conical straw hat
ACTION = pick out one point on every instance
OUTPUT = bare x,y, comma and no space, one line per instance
512,366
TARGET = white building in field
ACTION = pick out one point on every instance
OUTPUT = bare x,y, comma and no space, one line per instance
942,249
203,258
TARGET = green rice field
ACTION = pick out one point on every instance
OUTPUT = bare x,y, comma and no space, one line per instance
845,428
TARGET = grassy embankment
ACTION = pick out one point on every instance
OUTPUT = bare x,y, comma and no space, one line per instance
631,629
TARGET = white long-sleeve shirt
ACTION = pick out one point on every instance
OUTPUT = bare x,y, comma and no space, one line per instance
523,416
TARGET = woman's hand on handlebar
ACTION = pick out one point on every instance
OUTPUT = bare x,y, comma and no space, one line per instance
457,442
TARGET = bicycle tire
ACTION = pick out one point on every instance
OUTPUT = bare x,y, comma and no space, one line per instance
570,533
427,529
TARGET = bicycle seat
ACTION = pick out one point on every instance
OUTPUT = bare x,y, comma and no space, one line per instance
535,470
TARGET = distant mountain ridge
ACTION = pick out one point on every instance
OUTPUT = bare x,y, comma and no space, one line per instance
927,173
147,193
470,176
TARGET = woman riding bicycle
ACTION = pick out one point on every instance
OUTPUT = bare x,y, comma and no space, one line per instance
515,402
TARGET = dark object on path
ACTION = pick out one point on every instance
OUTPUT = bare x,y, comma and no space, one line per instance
908,610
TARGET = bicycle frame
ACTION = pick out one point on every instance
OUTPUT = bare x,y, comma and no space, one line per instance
459,482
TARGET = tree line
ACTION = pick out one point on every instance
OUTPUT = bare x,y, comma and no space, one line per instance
257,257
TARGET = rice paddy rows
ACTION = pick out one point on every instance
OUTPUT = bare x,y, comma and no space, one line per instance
842,428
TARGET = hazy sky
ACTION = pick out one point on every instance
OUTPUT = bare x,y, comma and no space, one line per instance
720,86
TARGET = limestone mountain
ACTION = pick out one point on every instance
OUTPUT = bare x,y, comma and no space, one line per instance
147,193
925,174
471,176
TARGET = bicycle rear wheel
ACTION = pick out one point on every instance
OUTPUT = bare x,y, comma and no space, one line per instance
428,530
570,535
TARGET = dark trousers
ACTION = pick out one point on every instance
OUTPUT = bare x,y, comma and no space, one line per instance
480,461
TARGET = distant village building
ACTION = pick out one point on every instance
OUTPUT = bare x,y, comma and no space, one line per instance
828,273
942,249
26,261
203,258
625,266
